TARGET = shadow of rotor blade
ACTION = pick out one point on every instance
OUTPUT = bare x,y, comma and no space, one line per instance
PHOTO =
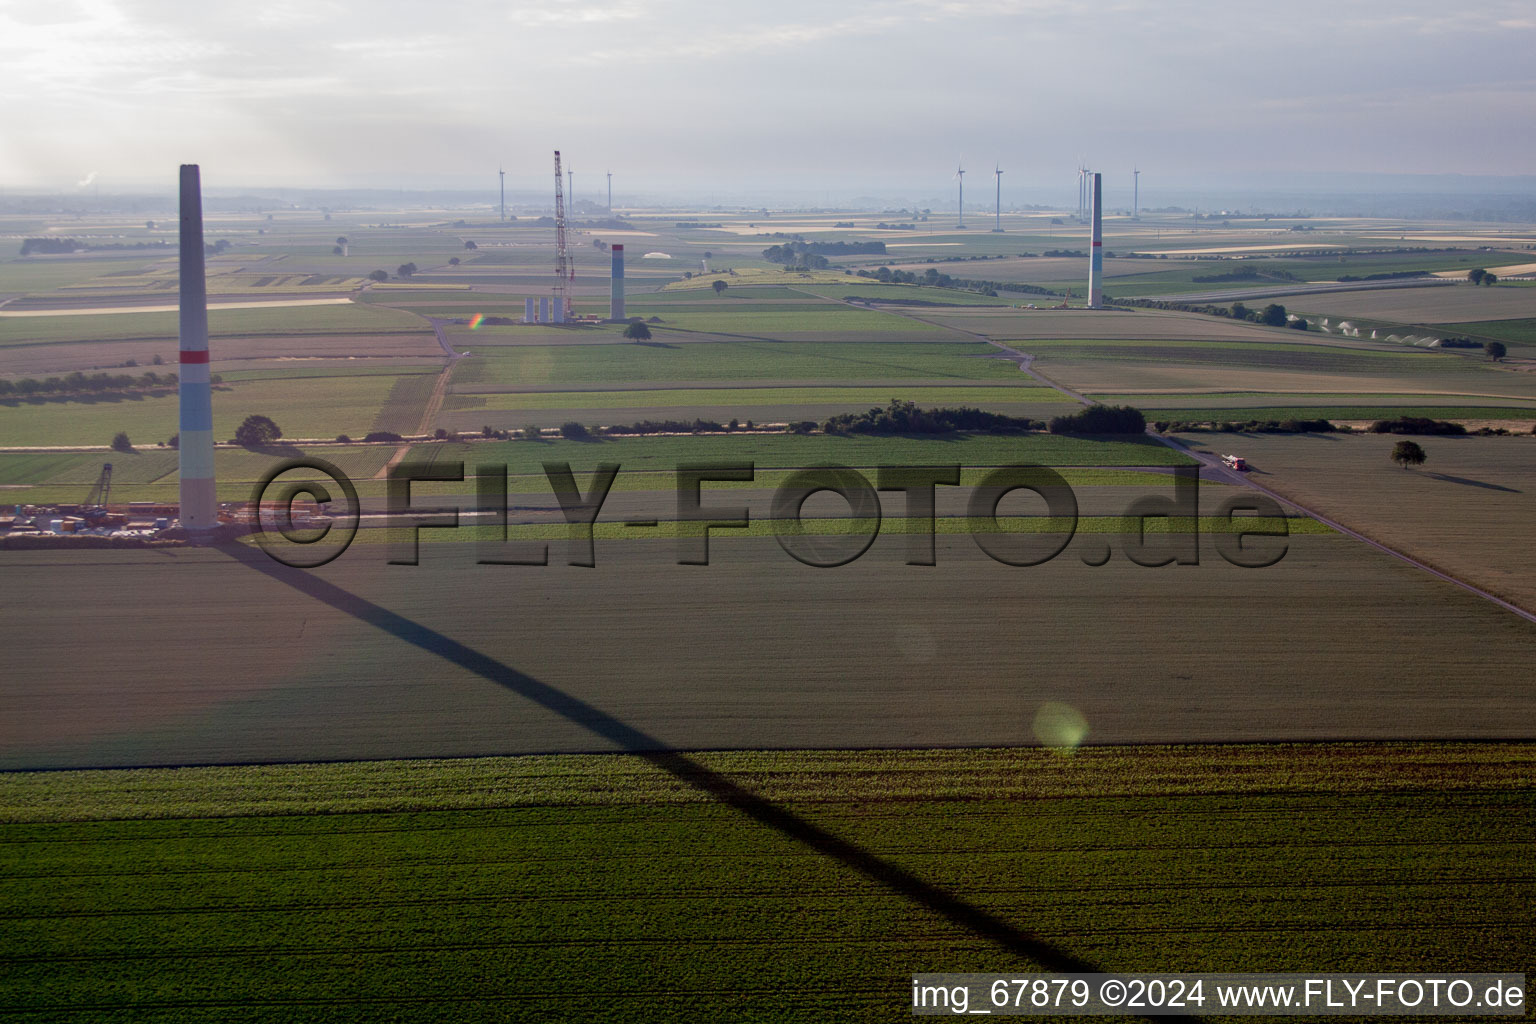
981,922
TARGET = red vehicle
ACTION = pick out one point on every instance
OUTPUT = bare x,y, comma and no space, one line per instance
1236,462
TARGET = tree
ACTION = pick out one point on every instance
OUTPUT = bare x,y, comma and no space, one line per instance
405,269
1408,453
1490,278
1495,350
1476,275
335,250
532,433
1273,315
470,245
257,431
574,430
379,275
719,287
120,442
638,331
341,239
1239,311
453,261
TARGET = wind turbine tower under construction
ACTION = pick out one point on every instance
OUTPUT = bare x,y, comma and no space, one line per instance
198,508
1096,257
503,174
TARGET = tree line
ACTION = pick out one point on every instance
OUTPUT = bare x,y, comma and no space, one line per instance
78,383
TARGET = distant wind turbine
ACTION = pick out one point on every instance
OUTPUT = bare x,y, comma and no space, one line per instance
960,178
998,173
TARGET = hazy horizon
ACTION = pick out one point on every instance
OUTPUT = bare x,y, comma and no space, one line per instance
688,98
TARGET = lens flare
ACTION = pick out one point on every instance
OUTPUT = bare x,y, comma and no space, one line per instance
1060,727
474,321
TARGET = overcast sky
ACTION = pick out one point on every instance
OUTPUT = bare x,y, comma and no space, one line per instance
718,95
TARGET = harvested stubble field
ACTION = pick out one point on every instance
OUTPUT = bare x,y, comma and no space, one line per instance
1258,404
748,886
1140,325
1426,305
1468,510
357,660
1123,367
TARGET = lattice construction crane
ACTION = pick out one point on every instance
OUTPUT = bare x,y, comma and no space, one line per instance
565,269
102,488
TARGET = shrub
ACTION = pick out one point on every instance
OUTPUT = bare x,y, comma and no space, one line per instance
120,442
904,417
382,435
1101,419
256,431
575,431
532,433
343,439
1416,425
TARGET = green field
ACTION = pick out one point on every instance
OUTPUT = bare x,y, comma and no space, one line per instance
1518,332
784,450
795,320
150,475
31,276
796,886
863,288
309,407
331,319
667,401
545,366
